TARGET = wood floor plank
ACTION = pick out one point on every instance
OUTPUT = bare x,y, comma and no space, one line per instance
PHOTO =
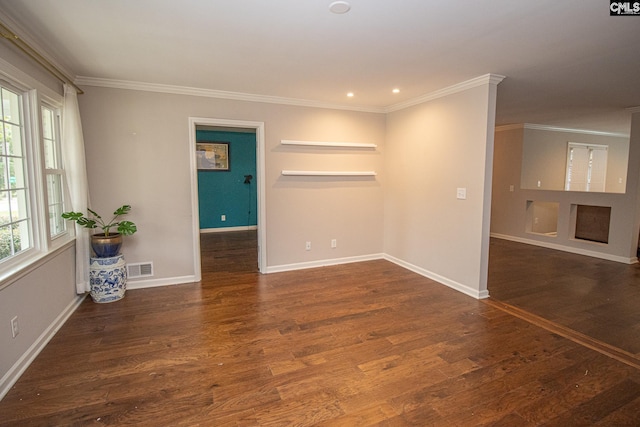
594,297
572,387
362,344
626,415
599,406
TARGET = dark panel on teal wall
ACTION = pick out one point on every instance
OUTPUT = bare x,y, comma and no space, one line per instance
224,192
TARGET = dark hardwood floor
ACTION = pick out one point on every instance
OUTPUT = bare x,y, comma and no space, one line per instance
594,297
230,252
351,345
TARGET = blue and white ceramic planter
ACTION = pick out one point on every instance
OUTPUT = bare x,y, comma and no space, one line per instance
108,278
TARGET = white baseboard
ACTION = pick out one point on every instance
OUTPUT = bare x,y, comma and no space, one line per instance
440,279
18,368
569,249
321,263
154,283
428,274
225,229
142,284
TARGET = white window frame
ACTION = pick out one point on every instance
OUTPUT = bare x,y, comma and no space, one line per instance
26,99
57,171
34,95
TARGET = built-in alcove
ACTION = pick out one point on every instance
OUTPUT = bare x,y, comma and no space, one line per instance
542,218
592,222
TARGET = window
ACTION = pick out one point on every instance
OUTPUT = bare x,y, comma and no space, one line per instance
15,221
54,173
32,179
586,167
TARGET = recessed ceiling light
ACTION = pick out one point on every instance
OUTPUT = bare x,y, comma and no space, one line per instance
339,7
350,94
396,90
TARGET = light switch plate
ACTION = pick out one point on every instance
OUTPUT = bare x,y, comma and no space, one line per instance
461,193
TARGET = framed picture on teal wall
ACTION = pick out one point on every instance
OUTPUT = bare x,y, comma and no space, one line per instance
213,156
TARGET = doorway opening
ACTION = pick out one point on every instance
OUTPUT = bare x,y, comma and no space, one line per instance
247,212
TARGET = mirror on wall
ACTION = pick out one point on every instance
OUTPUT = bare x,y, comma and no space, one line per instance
569,161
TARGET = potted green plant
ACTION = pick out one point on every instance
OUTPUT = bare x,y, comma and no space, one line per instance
105,244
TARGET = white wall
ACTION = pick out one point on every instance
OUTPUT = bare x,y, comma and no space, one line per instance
138,148
508,210
632,208
42,300
431,150
509,219
544,158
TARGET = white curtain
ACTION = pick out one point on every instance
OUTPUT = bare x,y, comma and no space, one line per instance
76,169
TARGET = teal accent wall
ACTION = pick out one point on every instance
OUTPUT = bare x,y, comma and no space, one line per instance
224,192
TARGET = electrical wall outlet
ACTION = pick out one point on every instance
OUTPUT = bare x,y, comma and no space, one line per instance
14,327
334,243
307,246
223,217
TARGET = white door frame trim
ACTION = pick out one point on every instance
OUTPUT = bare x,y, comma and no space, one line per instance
260,172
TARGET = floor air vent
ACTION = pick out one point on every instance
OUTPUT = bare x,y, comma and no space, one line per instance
142,269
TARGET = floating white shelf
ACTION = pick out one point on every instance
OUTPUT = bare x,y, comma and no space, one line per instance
328,144
328,173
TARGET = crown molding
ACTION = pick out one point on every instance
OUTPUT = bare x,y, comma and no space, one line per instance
210,93
558,129
493,79
239,96
571,130
504,128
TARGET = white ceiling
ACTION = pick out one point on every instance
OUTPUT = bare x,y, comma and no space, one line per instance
567,62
